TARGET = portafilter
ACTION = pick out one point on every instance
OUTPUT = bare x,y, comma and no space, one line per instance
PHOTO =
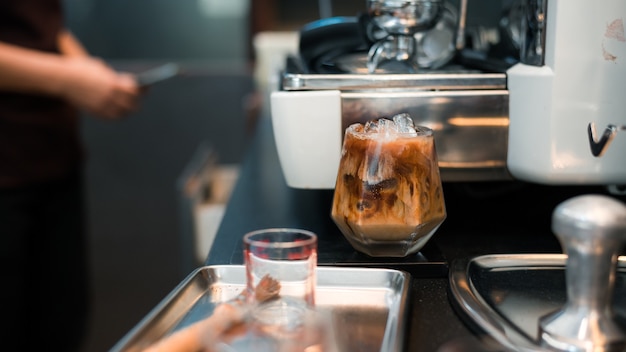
400,19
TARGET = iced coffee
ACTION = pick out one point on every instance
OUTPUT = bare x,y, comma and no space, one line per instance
388,198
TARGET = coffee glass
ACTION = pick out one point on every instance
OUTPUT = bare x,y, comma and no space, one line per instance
388,199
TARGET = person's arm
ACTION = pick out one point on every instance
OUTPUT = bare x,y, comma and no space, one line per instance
84,81
70,45
30,71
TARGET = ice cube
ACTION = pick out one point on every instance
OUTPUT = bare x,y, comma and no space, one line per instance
371,126
386,126
404,123
390,127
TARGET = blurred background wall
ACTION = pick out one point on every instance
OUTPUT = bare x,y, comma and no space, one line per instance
196,30
137,244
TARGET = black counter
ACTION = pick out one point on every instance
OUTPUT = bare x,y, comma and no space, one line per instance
483,218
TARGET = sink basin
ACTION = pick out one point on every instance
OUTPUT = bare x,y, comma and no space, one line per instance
505,295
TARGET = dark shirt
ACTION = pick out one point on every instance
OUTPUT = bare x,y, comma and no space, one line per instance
39,135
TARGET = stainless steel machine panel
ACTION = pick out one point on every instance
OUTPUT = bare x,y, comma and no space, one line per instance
468,112
470,127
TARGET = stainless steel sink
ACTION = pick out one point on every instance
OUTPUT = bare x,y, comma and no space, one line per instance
504,296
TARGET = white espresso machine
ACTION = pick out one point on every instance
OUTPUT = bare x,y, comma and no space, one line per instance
555,116
566,96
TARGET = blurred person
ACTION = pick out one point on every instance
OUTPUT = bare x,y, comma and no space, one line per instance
47,79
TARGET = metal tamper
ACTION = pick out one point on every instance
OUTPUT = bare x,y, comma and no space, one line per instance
592,232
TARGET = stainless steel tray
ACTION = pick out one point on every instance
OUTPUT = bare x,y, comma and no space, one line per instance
368,305
505,295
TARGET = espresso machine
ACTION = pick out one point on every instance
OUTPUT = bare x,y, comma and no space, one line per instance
547,111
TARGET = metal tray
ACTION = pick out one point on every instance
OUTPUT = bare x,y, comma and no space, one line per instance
505,295
368,305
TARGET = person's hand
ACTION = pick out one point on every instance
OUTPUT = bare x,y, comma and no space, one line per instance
96,88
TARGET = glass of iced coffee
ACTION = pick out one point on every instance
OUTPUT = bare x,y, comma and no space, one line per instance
388,198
